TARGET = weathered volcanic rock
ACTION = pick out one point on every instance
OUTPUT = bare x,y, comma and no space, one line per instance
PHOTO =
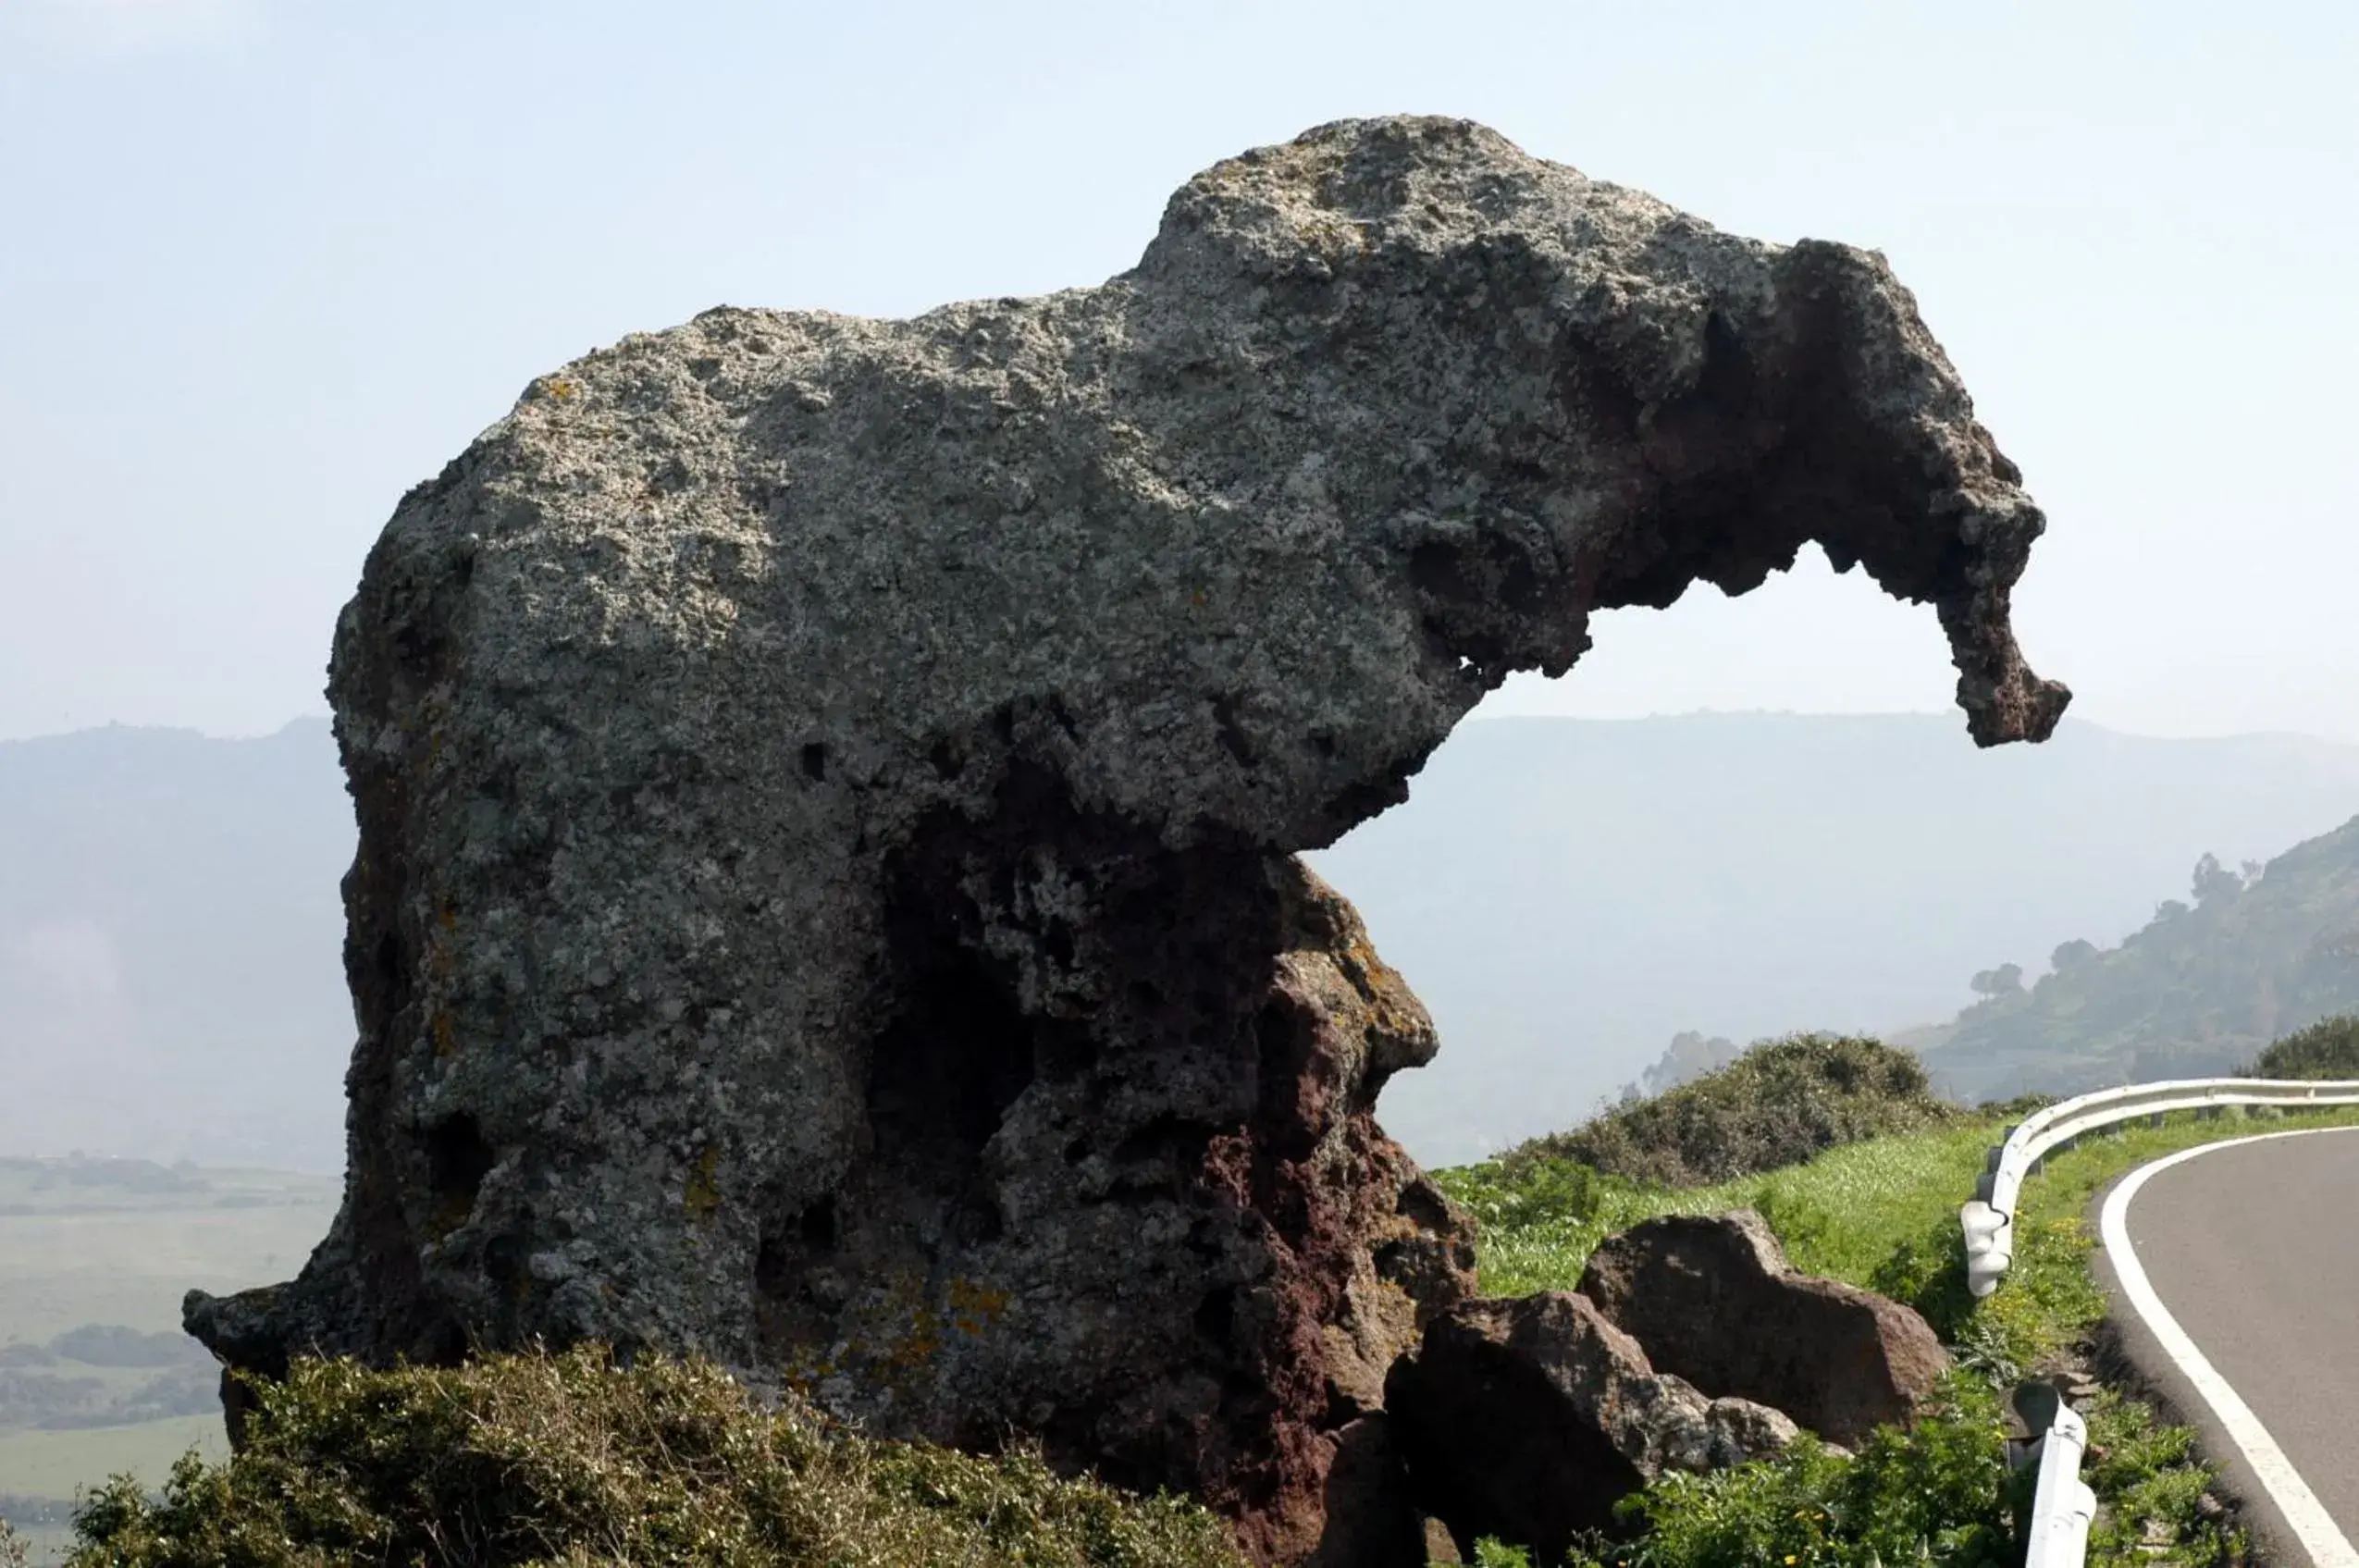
1528,1418
1713,1300
828,788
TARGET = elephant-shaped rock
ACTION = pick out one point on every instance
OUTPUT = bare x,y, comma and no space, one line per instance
829,788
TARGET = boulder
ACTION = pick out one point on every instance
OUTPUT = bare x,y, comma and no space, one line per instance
829,788
1528,1418
1713,1300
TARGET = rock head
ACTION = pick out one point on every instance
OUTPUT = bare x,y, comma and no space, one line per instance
828,788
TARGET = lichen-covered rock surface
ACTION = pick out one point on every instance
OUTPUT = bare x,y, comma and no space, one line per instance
828,788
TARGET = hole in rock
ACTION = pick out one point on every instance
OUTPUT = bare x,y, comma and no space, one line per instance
1216,1317
788,1310
940,1076
946,1071
457,1159
503,1259
815,762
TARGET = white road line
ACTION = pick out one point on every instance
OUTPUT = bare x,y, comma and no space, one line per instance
2304,1515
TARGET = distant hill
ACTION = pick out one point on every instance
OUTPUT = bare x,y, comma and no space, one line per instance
1688,1057
1566,896
2198,991
171,937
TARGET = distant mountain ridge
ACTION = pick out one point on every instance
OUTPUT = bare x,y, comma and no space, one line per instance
2197,991
1565,895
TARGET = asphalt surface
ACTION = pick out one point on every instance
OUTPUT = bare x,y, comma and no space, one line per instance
2255,1249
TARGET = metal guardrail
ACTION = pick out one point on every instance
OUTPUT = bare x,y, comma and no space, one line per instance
1988,1220
2062,1504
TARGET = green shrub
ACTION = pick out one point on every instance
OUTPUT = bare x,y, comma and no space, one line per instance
1938,1493
1778,1104
571,1459
2329,1048
2151,1479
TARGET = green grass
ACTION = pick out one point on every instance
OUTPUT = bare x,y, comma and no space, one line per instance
1842,1215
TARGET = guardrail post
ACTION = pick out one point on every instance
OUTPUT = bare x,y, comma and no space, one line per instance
2062,1504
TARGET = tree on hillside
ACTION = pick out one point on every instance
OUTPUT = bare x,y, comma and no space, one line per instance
2213,880
2004,981
2072,955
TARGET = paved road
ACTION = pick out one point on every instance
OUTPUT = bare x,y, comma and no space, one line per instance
2254,1248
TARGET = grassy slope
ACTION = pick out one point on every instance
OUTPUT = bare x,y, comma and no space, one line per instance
1842,1215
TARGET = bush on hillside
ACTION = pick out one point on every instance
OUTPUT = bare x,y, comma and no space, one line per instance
573,1459
1778,1103
2329,1048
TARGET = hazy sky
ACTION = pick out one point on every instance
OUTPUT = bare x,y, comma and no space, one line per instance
265,264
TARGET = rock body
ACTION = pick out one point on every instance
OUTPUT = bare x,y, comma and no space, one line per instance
1528,1418
828,788
1713,1300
